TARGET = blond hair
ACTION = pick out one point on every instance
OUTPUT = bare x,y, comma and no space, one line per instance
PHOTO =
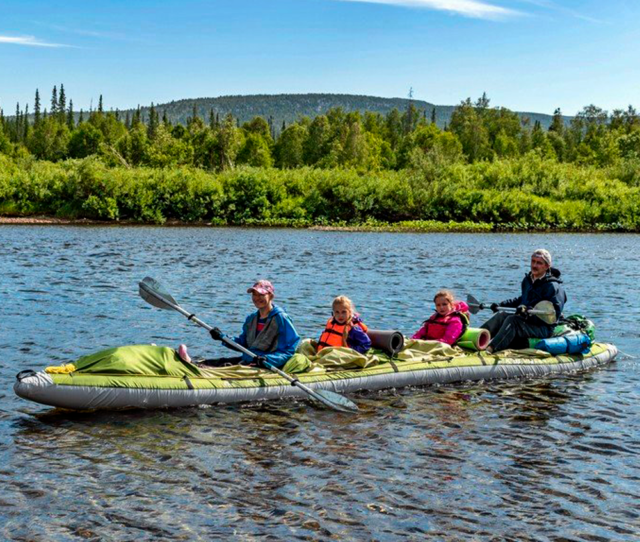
447,294
344,301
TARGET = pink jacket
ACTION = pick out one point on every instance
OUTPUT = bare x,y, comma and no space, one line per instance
447,328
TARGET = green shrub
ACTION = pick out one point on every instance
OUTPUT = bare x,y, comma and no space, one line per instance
526,193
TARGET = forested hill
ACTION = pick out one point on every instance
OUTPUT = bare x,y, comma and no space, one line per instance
291,107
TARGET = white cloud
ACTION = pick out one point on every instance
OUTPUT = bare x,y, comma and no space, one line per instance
84,32
548,5
30,41
468,8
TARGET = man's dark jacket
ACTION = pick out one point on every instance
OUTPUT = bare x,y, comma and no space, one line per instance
547,288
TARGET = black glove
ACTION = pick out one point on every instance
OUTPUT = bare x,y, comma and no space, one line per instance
482,306
494,307
260,361
216,334
522,310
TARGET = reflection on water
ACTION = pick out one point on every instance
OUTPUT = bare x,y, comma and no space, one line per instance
531,460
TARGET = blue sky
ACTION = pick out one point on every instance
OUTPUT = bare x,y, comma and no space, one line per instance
527,55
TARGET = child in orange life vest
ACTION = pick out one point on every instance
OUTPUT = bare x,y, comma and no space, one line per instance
345,328
449,321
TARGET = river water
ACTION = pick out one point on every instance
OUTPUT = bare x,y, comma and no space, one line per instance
529,460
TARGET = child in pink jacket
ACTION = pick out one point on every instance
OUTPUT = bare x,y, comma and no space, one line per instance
449,321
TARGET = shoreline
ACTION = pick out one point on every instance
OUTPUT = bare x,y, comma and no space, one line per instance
45,220
427,227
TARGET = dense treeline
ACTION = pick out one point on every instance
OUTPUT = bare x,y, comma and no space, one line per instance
369,141
487,166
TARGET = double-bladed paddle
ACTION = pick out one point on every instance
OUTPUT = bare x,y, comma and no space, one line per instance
154,294
543,310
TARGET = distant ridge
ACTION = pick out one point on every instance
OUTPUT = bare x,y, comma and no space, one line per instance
291,107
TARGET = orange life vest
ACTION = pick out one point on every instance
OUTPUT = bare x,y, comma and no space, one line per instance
334,333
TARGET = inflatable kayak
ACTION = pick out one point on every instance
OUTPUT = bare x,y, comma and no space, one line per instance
155,377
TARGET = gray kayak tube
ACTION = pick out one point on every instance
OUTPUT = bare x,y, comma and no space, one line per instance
42,387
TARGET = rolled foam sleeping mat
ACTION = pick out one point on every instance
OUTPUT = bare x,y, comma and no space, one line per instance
388,340
474,338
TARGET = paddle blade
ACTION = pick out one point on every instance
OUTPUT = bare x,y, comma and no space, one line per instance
329,399
335,401
545,311
154,294
474,304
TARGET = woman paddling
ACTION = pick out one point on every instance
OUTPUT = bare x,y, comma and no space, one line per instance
268,332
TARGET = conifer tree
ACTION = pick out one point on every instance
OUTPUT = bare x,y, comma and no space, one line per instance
165,119
81,117
17,125
137,117
127,121
62,103
36,107
631,118
100,108
433,115
152,128
70,121
271,129
482,103
557,123
54,100
212,119
25,123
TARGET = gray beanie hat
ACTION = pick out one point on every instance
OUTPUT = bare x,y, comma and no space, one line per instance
544,254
